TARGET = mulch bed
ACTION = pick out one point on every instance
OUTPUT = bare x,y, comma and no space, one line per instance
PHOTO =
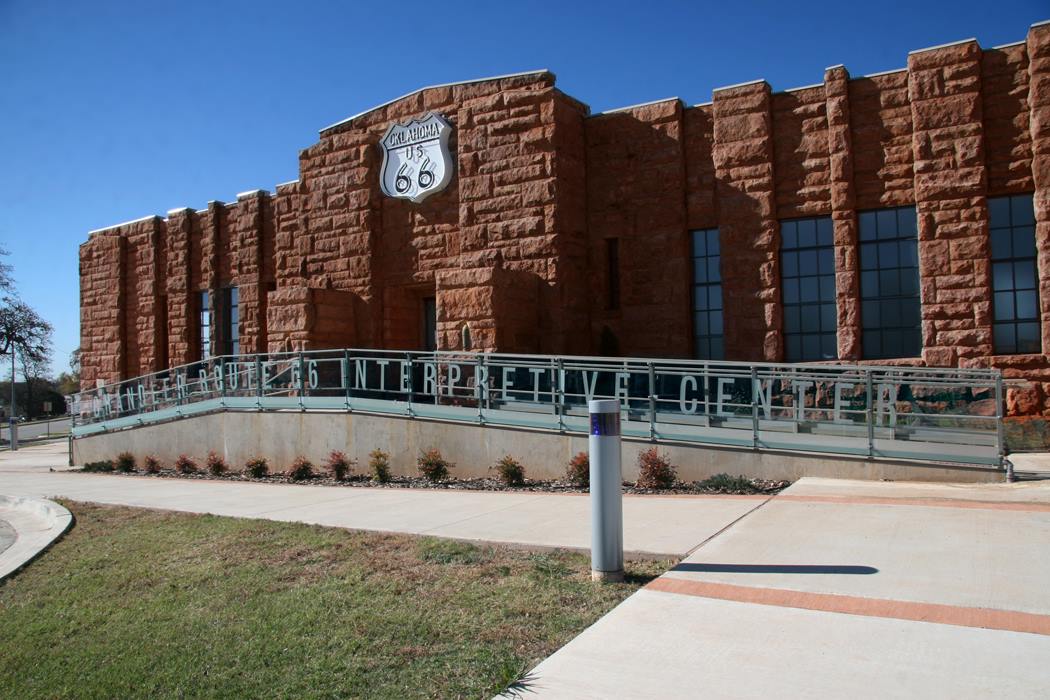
754,486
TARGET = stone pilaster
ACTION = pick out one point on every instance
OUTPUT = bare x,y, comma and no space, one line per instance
1038,45
148,247
843,212
102,301
944,86
743,158
247,236
179,290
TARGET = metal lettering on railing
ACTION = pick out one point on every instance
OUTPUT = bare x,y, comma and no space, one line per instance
909,413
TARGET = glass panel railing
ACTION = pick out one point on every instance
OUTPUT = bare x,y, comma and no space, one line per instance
910,413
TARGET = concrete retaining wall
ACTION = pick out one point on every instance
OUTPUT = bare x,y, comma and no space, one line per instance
282,435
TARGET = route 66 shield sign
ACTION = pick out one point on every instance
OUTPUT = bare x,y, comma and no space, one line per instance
416,161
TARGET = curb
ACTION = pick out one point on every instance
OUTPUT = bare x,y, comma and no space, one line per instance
38,524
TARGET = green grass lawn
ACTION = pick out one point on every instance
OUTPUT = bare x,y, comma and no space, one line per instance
141,603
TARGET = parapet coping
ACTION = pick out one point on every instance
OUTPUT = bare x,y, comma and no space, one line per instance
432,87
884,72
736,85
943,46
803,87
636,106
1012,43
252,193
282,184
1042,24
179,210
124,223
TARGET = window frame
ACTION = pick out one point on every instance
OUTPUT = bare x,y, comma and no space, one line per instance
1016,223
812,239
204,325
707,344
905,306
231,327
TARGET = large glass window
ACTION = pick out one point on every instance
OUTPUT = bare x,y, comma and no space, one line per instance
231,326
204,325
807,272
707,295
889,283
1015,284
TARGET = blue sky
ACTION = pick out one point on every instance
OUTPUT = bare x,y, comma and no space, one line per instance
111,111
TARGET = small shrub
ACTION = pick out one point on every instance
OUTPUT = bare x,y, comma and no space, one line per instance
379,465
216,465
257,467
727,484
301,469
339,465
655,471
103,465
433,466
151,464
579,471
184,464
125,462
510,470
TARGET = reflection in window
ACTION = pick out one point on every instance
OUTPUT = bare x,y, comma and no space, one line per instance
204,325
231,327
1015,285
707,295
889,283
807,271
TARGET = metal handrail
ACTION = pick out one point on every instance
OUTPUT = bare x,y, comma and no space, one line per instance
810,398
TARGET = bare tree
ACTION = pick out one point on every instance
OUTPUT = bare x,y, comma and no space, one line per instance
24,332
7,281
36,371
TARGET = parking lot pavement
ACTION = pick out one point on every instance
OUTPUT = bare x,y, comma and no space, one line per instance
834,589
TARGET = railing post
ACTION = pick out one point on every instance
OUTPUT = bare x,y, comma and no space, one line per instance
222,382
560,388
1000,442
302,380
479,364
258,382
652,403
408,359
870,413
754,408
346,378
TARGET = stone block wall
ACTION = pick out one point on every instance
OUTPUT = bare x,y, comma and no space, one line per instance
515,247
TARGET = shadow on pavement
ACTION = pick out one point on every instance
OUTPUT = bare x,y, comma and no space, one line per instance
776,569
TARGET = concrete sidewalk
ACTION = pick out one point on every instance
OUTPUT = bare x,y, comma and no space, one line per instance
27,527
838,589
653,525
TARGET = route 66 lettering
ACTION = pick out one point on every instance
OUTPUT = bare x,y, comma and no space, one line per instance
416,158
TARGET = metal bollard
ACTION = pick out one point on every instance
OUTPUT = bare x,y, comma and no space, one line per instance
606,491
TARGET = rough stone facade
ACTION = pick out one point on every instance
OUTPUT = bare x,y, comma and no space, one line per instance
516,247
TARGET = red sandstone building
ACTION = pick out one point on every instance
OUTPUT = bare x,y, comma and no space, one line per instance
902,216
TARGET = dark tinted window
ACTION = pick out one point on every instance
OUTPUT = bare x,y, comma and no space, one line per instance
231,326
807,272
707,295
204,325
1015,282
889,283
